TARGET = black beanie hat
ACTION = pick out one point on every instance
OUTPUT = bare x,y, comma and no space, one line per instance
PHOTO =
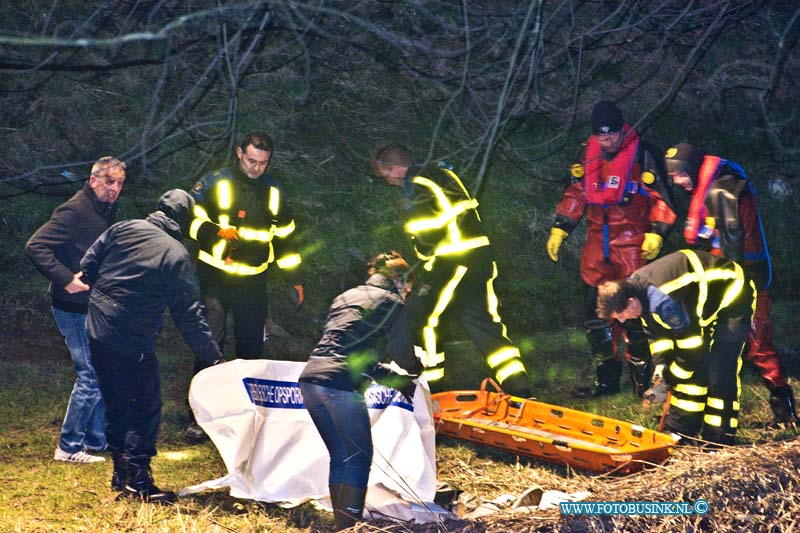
606,118
684,157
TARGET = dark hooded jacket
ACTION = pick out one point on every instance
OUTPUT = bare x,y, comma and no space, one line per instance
57,247
136,269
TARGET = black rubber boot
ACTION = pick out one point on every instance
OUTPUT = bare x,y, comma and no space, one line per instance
639,359
120,475
608,374
640,372
517,385
715,435
349,506
609,368
781,400
140,483
334,489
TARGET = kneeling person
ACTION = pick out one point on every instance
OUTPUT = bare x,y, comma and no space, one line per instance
697,309
137,268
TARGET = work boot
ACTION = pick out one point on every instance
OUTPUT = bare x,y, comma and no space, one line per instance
781,400
334,489
605,389
609,368
194,433
120,475
517,385
717,435
349,506
140,483
582,392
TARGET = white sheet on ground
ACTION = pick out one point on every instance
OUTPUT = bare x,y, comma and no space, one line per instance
254,413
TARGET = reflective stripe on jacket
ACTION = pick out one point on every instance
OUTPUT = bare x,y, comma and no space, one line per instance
258,212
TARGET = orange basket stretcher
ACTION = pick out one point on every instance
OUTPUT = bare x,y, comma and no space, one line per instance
548,432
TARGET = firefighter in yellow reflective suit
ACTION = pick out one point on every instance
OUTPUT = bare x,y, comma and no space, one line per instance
697,309
242,225
458,269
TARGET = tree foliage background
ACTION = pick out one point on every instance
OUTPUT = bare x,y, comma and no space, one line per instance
501,88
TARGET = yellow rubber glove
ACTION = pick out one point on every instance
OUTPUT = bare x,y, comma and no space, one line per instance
651,245
557,236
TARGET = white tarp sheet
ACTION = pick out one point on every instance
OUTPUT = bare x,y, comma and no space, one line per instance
254,413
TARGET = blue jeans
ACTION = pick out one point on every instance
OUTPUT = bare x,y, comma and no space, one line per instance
84,423
343,423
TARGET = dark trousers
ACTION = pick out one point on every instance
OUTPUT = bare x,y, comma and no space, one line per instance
130,383
247,301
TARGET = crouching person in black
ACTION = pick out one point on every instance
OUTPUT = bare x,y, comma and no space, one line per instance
364,325
137,268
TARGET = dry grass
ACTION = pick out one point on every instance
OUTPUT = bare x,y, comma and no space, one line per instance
748,488
751,487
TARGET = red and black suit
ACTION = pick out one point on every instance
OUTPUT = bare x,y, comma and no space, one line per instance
723,218
622,197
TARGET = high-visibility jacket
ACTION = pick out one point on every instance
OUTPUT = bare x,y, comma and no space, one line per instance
684,292
258,211
697,308
444,220
449,238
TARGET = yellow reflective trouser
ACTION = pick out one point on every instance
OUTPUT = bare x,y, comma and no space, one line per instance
467,295
706,384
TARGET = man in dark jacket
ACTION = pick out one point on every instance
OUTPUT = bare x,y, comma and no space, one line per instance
136,269
56,249
696,308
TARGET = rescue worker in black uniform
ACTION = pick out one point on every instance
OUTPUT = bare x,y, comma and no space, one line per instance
458,267
137,268
365,325
697,309
242,224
